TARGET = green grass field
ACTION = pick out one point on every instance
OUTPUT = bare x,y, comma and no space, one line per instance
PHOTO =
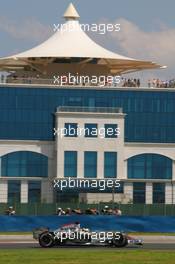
94,256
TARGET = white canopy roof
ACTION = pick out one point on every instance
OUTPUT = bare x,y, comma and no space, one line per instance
72,42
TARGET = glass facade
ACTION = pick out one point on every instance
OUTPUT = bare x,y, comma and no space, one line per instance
14,192
110,130
70,129
28,113
34,191
149,166
91,130
110,164
158,193
24,164
70,164
139,189
90,164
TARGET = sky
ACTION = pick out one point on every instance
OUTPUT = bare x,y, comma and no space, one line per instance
147,27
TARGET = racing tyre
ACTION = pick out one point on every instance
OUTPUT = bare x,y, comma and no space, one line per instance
46,240
119,241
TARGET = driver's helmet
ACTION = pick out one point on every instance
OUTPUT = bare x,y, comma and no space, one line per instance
85,229
77,224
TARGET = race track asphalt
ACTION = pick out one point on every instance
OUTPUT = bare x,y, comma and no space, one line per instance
35,245
154,242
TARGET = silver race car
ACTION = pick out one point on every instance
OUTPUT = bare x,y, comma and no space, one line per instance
73,234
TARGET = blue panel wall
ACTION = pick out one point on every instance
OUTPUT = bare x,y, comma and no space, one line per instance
96,223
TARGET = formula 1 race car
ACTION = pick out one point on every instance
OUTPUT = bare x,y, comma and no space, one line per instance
74,235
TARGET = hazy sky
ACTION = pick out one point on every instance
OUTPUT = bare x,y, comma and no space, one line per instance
147,26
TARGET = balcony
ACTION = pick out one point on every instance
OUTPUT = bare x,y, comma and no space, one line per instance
116,110
44,82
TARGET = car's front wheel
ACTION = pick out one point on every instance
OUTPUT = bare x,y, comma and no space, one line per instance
46,240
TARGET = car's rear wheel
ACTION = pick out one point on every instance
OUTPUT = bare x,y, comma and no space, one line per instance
119,241
46,240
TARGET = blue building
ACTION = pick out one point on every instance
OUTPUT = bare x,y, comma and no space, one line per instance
32,107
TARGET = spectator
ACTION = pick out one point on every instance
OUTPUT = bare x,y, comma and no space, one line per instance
2,78
157,83
88,211
149,83
117,211
77,225
68,211
10,211
92,211
95,211
77,211
60,211
138,83
106,210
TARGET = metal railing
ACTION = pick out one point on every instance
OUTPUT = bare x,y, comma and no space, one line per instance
29,80
51,81
89,109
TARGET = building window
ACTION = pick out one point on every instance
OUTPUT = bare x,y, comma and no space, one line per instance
158,193
110,165
70,129
149,166
139,192
14,192
70,164
91,130
111,131
24,164
34,191
74,101
90,164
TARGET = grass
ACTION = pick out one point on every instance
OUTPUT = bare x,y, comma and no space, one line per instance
76,256
16,233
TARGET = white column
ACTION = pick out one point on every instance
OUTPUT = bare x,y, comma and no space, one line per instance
59,148
173,194
173,172
0,167
60,164
121,163
128,190
3,191
168,193
149,193
80,164
46,191
100,165
123,174
24,191
51,168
